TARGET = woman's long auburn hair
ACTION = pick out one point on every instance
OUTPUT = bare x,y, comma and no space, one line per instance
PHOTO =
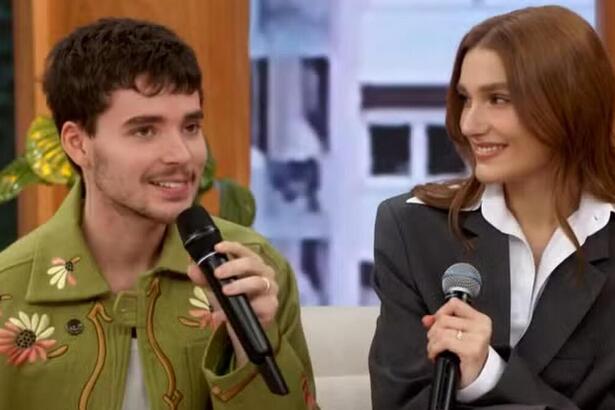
563,89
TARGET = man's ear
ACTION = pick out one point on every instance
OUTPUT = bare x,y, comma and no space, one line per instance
74,139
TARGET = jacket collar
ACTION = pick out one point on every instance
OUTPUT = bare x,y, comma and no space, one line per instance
61,246
490,255
569,294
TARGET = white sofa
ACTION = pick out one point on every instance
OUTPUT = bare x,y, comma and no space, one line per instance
339,339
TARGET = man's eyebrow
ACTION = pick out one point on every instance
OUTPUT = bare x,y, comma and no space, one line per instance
195,115
143,120
156,119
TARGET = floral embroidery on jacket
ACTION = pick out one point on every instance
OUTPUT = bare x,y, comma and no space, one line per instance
202,313
61,271
26,338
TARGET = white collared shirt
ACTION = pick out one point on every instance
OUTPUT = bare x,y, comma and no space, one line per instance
527,282
135,395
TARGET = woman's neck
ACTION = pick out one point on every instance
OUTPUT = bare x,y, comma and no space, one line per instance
533,204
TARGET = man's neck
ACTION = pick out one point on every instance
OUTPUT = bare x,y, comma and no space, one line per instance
123,244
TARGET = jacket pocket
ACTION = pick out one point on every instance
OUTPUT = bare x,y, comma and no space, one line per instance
566,373
53,384
199,396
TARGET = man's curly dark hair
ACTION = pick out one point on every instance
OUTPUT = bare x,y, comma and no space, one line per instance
85,67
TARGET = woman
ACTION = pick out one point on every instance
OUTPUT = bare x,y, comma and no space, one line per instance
530,107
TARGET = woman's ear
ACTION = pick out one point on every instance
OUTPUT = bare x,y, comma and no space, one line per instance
74,140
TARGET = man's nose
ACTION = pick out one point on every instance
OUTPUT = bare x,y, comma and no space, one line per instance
176,149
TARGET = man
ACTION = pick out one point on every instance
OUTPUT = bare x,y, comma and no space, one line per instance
98,305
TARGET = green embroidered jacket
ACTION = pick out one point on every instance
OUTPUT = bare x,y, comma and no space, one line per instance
65,338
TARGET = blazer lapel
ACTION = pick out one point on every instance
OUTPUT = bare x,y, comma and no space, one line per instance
490,257
567,297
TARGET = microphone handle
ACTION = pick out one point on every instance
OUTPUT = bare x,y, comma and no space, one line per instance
446,376
244,322
446,372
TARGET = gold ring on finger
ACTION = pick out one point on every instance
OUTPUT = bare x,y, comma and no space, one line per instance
459,334
267,283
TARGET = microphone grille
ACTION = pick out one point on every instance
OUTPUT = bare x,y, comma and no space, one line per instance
462,277
192,220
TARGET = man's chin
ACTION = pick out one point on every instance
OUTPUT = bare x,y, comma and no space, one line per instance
164,216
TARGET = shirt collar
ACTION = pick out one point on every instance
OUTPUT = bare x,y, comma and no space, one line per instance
494,210
591,216
61,241
473,207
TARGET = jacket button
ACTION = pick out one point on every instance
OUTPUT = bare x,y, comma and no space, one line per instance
74,327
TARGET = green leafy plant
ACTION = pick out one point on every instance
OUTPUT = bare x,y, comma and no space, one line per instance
44,162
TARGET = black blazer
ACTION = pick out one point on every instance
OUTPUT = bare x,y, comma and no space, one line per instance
565,360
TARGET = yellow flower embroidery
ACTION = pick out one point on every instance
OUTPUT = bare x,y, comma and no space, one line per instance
203,311
61,271
26,338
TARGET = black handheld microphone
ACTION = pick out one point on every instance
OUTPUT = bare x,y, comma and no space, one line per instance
199,235
461,281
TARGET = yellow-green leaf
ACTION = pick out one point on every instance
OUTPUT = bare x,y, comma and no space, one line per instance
237,203
14,178
45,155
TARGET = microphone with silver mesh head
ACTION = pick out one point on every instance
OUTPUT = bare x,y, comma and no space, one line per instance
461,281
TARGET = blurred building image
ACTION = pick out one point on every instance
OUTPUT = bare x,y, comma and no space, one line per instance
348,109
